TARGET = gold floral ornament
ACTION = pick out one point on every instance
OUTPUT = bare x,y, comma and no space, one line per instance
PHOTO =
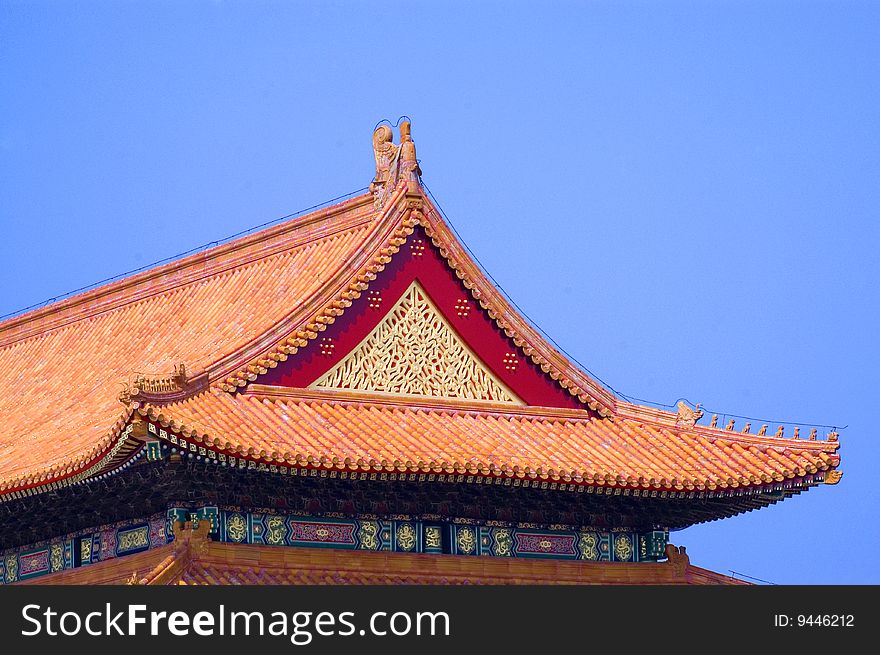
85,550
133,539
588,542
623,548
57,557
406,536
275,533
11,568
415,351
503,542
369,535
236,528
432,537
467,540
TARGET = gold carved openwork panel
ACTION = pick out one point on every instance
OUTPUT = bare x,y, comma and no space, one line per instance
415,351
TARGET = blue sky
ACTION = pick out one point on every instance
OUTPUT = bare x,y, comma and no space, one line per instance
682,194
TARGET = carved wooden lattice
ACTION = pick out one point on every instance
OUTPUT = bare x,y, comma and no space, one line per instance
415,351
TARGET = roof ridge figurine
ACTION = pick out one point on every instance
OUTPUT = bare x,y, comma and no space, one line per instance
394,163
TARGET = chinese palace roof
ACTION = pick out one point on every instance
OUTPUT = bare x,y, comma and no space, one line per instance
361,337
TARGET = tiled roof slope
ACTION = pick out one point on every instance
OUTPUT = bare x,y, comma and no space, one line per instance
63,367
233,312
351,431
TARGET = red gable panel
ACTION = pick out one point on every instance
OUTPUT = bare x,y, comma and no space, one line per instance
419,260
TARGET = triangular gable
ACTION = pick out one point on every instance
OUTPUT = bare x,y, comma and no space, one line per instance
409,228
499,369
415,351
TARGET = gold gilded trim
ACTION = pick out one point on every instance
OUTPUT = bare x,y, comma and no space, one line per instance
414,351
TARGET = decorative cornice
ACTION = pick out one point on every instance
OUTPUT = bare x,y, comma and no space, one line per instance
195,440
662,418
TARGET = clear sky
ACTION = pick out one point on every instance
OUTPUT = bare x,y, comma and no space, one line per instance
683,194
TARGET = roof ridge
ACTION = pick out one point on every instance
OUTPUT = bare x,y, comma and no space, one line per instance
669,420
570,376
311,315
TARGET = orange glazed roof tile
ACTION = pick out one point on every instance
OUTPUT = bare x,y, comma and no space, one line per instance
234,312
351,431
63,366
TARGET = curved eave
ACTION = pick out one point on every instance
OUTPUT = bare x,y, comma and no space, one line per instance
189,436
113,451
196,441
